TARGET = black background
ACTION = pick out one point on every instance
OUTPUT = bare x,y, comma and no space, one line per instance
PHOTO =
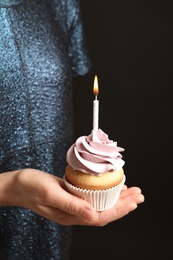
130,45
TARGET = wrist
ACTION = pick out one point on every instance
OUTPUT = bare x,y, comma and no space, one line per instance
8,182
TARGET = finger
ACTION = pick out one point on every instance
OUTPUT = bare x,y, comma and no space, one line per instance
122,208
60,216
80,210
128,191
59,198
124,187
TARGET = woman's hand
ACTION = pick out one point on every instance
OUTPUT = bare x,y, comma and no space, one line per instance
46,195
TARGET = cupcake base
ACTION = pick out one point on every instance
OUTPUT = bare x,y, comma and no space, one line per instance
100,199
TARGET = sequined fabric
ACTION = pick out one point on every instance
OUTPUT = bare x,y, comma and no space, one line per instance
41,48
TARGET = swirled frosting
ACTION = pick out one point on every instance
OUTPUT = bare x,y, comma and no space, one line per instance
95,154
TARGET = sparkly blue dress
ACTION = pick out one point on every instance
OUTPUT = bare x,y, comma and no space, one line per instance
41,49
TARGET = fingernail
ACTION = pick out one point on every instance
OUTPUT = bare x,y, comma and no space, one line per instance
138,190
141,199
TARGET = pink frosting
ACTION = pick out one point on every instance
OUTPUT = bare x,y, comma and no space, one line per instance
95,154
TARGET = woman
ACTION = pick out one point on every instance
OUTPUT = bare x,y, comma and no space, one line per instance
41,49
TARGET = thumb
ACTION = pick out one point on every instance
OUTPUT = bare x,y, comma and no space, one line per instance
71,204
77,207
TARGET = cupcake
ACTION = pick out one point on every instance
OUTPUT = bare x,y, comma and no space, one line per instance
94,170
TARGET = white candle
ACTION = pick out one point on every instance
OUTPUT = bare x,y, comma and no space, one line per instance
95,106
95,114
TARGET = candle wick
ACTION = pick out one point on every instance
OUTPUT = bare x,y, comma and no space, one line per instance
95,97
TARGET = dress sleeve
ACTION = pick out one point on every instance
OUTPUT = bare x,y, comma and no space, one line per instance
78,52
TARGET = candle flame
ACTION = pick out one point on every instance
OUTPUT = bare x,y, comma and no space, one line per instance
95,88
